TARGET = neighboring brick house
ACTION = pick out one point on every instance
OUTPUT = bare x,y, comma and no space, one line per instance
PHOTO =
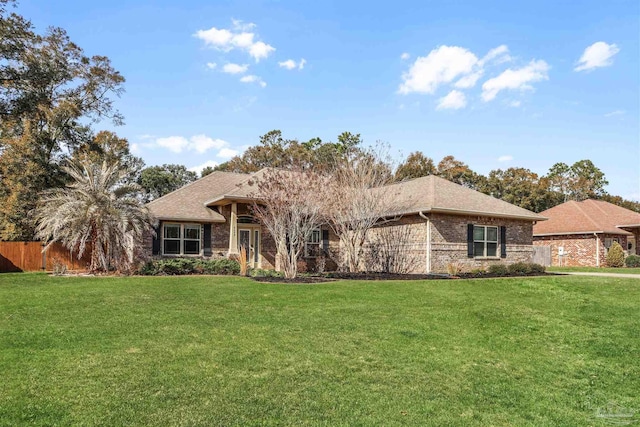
442,223
581,233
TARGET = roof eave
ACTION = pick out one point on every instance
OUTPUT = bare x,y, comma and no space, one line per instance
573,233
484,213
190,219
228,198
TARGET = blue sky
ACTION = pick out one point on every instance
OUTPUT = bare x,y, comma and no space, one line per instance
496,84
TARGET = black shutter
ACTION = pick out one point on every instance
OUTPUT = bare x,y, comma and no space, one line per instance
503,241
206,246
155,249
470,240
325,241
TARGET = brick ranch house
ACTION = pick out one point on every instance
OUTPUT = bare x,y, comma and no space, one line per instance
442,223
581,233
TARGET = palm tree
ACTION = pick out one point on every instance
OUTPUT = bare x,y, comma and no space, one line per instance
99,211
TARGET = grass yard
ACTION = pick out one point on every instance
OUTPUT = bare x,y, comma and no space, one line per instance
621,270
207,351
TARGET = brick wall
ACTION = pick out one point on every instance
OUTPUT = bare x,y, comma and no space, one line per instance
448,236
579,249
449,241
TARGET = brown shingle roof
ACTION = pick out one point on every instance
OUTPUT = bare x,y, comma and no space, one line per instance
589,216
426,194
188,202
434,194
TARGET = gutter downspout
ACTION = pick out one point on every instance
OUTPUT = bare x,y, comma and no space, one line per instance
428,256
597,250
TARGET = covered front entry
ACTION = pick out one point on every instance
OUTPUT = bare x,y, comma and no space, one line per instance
249,238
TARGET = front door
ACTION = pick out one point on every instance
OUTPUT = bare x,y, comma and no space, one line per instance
250,240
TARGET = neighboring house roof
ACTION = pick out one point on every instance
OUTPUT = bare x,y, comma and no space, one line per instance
189,202
588,216
434,194
425,194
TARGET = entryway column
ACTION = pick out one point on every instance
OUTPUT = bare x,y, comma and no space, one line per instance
233,229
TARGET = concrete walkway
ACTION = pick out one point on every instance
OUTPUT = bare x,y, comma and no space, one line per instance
619,275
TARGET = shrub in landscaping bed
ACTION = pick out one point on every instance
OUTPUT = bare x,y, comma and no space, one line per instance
632,261
498,269
525,268
183,266
615,256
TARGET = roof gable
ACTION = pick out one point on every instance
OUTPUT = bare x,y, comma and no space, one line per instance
188,203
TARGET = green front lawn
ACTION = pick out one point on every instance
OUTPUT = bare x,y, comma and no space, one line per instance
621,270
212,351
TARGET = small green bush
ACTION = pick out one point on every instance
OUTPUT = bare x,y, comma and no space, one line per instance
183,266
498,269
615,256
632,261
537,268
520,268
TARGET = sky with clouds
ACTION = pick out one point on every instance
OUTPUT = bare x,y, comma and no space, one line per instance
496,84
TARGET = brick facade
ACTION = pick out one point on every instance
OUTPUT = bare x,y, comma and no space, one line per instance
448,242
580,250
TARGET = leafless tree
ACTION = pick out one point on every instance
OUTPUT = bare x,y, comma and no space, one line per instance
356,201
394,249
287,206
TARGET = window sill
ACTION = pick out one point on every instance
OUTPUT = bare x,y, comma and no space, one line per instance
487,258
181,255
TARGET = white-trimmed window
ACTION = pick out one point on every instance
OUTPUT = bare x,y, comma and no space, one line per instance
485,241
313,245
181,239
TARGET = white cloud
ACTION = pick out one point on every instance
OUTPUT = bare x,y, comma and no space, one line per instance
405,56
260,50
227,153
520,78
615,113
446,64
235,68
453,100
202,143
242,26
253,79
469,80
198,169
211,65
173,143
239,37
506,158
135,148
290,64
199,143
515,104
500,54
441,65
597,55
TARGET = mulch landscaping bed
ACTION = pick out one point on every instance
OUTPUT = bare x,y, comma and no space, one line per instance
301,279
385,276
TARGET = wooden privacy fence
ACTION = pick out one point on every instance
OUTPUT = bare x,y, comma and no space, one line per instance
28,256
542,255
